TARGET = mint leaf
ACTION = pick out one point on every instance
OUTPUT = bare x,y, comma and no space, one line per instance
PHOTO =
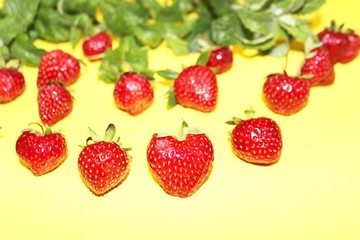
256,22
227,30
168,74
311,6
18,16
136,56
110,68
149,34
24,50
178,45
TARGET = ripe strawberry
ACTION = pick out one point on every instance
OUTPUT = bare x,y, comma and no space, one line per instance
318,68
284,94
58,66
220,60
12,84
54,103
43,151
133,93
343,46
180,165
103,164
95,47
353,47
256,140
195,87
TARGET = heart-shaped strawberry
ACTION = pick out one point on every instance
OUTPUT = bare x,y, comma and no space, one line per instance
180,165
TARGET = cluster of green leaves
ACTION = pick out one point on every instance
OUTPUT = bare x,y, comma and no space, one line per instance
184,25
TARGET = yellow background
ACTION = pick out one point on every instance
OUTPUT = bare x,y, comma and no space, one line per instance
311,193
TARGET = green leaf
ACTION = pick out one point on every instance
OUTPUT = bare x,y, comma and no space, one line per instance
221,7
149,34
256,22
122,17
171,98
87,7
227,30
168,74
136,56
110,68
110,133
53,27
24,49
203,58
311,6
178,45
19,15
288,6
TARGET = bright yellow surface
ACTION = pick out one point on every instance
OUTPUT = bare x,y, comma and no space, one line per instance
311,193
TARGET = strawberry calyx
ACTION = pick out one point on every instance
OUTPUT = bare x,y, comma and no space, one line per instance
45,129
250,113
310,46
108,136
184,130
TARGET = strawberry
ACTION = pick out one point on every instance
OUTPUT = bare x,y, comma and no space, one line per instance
284,94
220,60
58,66
180,165
256,140
133,93
12,84
95,47
42,151
195,87
54,103
103,164
353,47
343,46
318,68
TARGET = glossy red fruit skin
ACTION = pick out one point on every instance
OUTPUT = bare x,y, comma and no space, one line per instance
284,94
95,47
54,103
257,141
221,60
103,166
133,93
335,42
41,153
318,69
196,87
58,66
12,84
353,48
180,167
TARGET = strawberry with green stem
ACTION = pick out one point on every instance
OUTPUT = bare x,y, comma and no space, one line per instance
133,93
343,45
180,164
285,94
256,140
218,59
43,151
195,87
317,67
102,163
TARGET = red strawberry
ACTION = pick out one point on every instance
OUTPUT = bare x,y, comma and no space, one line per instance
180,165
54,102
220,60
41,152
318,68
196,87
256,140
58,66
133,93
12,84
103,164
284,94
353,47
95,47
343,46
